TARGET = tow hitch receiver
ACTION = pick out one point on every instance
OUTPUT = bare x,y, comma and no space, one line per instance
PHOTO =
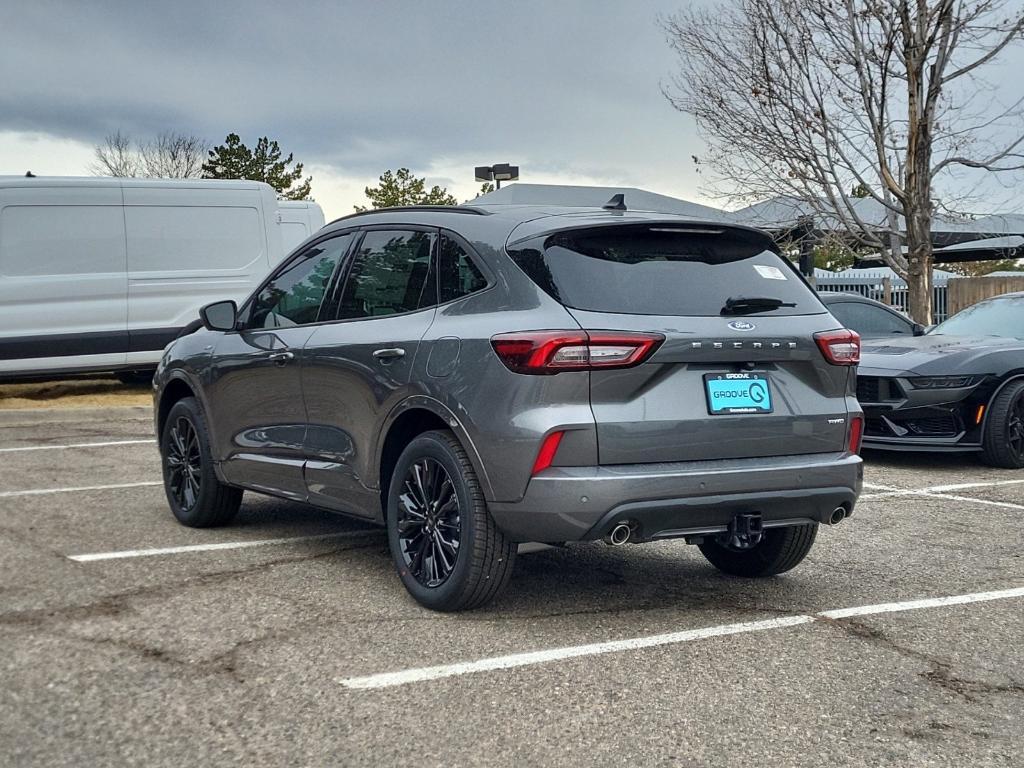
746,531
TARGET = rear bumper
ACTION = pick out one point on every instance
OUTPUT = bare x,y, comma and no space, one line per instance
676,499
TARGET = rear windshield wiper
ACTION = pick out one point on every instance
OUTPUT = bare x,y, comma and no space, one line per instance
743,305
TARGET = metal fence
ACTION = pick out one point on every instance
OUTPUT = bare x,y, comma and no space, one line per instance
888,290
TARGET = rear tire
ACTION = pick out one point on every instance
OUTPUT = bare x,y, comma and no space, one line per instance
196,497
780,550
434,502
1003,440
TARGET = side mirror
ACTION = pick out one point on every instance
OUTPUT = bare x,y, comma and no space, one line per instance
220,316
919,330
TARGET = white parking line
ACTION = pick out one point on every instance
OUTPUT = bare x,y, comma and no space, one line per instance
389,679
94,556
969,499
44,491
965,486
930,602
942,492
416,675
75,445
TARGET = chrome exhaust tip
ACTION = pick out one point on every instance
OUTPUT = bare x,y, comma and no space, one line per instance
837,516
619,535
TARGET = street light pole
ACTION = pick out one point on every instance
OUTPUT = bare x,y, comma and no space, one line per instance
497,173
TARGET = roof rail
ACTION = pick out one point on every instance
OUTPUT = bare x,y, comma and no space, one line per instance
403,208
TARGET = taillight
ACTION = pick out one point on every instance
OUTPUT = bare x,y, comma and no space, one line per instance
855,434
840,347
548,352
547,452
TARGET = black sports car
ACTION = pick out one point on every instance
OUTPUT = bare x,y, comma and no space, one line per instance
959,388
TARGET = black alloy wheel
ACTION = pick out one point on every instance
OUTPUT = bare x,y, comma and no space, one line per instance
184,463
446,547
1015,429
1002,439
195,494
429,522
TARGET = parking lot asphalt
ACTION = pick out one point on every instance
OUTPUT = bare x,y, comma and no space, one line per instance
287,639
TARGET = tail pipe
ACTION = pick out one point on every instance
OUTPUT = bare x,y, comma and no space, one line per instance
619,535
838,515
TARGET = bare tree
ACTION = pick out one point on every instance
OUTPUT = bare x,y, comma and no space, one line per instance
116,157
173,156
859,109
169,156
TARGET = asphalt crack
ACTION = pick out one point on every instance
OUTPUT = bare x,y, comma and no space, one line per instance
121,602
940,672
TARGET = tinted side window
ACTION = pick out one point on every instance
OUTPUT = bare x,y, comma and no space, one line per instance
390,275
868,320
459,276
293,297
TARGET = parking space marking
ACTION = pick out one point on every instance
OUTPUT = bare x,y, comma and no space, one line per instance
965,486
75,445
416,675
930,602
43,491
942,492
127,553
969,499
390,679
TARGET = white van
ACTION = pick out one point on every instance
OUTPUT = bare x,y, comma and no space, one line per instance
99,274
299,219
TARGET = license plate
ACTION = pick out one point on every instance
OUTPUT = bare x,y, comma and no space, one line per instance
737,393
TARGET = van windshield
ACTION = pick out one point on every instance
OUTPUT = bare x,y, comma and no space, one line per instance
663,270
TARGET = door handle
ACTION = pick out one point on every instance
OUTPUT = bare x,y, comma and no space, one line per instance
281,358
391,353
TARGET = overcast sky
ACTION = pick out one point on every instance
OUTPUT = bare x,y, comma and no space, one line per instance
567,89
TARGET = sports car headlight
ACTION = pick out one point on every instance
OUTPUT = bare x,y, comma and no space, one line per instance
944,382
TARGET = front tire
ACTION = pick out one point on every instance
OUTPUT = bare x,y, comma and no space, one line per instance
450,554
196,497
1003,440
780,550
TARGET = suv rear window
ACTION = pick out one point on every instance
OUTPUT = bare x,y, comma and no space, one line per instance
662,270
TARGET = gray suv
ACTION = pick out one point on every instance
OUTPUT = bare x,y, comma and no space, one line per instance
475,377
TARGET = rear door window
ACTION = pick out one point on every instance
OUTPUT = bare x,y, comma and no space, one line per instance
662,270
390,275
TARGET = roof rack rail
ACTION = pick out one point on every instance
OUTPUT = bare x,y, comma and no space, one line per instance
402,208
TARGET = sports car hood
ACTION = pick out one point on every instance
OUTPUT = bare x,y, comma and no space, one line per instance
936,354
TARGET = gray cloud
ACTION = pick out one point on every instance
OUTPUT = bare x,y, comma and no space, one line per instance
567,86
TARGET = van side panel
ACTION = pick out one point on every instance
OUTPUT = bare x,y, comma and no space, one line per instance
63,286
187,248
299,220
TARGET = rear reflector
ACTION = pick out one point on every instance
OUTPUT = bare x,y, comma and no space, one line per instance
856,433
840,347
548,449
549,352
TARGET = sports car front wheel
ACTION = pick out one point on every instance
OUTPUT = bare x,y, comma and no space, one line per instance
1003,440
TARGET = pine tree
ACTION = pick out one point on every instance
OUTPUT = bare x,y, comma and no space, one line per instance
234,160
402,188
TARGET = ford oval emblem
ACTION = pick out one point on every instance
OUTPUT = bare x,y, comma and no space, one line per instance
742,325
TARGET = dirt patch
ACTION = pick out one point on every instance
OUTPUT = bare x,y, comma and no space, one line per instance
74,393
